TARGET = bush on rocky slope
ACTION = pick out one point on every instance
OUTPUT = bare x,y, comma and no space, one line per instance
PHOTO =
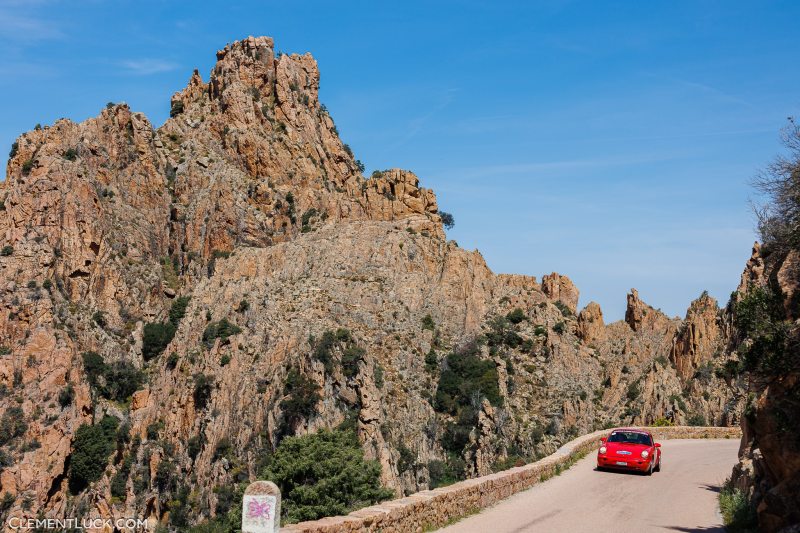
115,381
466,377
765,310
90,451
157,335
737,512
324,474
300,401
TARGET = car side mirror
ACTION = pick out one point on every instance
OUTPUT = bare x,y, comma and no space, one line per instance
658,445
603,440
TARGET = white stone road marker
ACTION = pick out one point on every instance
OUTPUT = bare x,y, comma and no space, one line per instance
261,508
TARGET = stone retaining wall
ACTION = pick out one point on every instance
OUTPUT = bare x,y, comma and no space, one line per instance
430,509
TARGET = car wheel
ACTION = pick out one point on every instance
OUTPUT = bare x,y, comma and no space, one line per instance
650,470
658,466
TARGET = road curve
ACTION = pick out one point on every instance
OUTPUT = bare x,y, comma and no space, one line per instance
682,497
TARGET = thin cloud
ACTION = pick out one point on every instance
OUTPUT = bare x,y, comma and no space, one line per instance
416,124
709,90
25,28
11,72
147,67
718,93
552,166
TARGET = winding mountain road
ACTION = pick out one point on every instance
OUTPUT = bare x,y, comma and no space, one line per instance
682,497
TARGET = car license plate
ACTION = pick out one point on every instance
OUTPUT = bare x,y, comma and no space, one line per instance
622,463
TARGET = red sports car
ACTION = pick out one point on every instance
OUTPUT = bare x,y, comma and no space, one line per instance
629,449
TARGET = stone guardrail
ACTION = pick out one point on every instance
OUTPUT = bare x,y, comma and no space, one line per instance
430,509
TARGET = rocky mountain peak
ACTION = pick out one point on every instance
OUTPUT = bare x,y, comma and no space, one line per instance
698,338
591,327
638,312
560,288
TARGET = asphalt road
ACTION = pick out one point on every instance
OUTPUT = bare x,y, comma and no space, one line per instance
682,497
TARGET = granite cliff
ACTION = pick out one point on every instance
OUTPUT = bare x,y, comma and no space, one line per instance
190,279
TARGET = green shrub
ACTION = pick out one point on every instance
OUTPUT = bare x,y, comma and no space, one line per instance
203,386
428,323
760,317
501,333
5,460
443,473
219,330
226,498
526,346
157,336
99,318
12,425
66,396
178,309
342,341
516,316
244,305
407,459
115,381
704,372
300,402
448,221
7,250
431,361
70,155
537,434
324,474
7,502
696,419
27,166
566,312
738,512
560,327
377,375
634,391
466,375
323,350
176,109
223,449
229,522
553,426
90,451
307,216
14,150
120,480
94,367
224,360
153,429
194,445
350,359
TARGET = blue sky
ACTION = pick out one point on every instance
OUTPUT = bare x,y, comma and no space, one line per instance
609,141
